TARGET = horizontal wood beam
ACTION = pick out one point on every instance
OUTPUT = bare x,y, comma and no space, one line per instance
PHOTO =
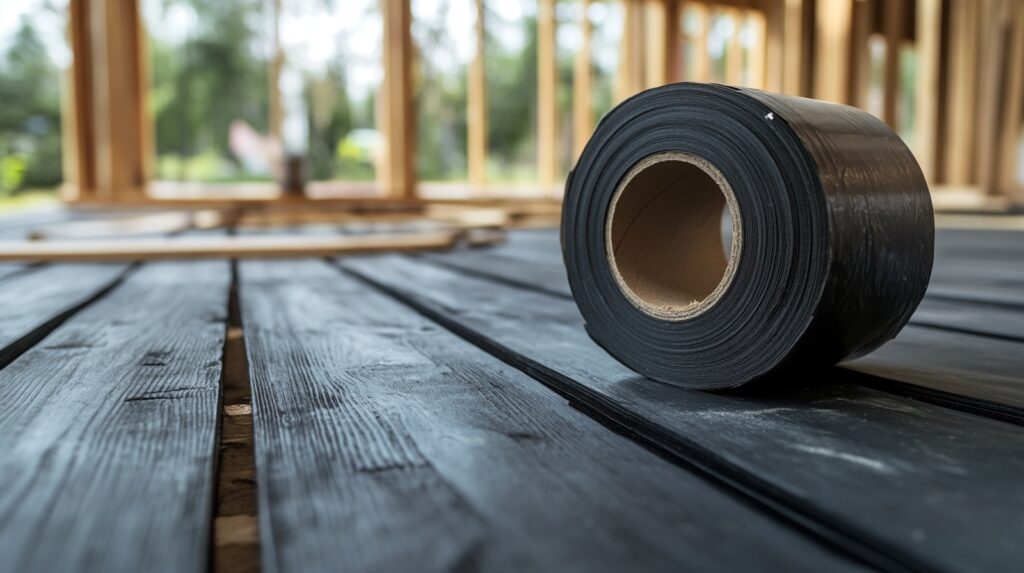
223,246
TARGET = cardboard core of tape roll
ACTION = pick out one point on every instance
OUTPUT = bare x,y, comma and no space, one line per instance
663,235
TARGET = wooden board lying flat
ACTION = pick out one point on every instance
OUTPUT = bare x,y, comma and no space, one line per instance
222,246
108,429
8,270
986,321
964,365
35,300
385,443
969,244
837,455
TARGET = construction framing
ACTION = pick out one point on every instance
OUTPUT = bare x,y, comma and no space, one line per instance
967,125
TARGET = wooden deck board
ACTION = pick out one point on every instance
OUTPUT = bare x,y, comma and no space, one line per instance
386,443
953,363
408,426
836,453
108,428
38,299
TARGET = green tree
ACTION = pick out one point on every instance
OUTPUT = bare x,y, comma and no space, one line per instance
201,86
512,100
30,122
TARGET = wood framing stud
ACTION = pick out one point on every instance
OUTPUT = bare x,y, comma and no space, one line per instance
1013,101
400,121
547,100
893,24
477,112
929,57
832,43
110,112
962,89
582,84
796,45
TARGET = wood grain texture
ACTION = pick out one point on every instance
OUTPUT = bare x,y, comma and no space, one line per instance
108,429
938,357
37,300
835,454
386,443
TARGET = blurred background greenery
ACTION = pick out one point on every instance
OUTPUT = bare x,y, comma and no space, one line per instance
213,82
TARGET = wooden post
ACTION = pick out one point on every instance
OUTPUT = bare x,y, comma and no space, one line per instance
109,113
582,84
476,121
962,84
629,78
399,119
892,18
1013,101
701,64
995,23
757,59
734,50
832,49
658,42
929,57
673,38
547,97
275,108
795,44
859,66
774,22
81,182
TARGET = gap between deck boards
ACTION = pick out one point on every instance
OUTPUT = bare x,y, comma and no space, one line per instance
236,547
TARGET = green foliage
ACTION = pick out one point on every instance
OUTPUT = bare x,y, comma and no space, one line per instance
199,87
30,123
12,172
511,104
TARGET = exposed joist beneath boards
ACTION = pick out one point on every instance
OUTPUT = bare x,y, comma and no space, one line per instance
860,441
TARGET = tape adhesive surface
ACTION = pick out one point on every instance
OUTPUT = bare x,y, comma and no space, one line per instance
716,236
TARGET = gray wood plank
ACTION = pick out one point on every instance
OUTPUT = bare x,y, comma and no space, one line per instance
967,317
497,263
961,365
8,270
385,443
954,368
108,429
835,453
38,299
972,243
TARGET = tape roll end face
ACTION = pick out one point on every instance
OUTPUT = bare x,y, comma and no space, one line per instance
664,236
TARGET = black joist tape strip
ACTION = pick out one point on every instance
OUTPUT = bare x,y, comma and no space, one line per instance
823,253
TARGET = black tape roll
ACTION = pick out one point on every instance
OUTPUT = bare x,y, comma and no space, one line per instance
831,245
